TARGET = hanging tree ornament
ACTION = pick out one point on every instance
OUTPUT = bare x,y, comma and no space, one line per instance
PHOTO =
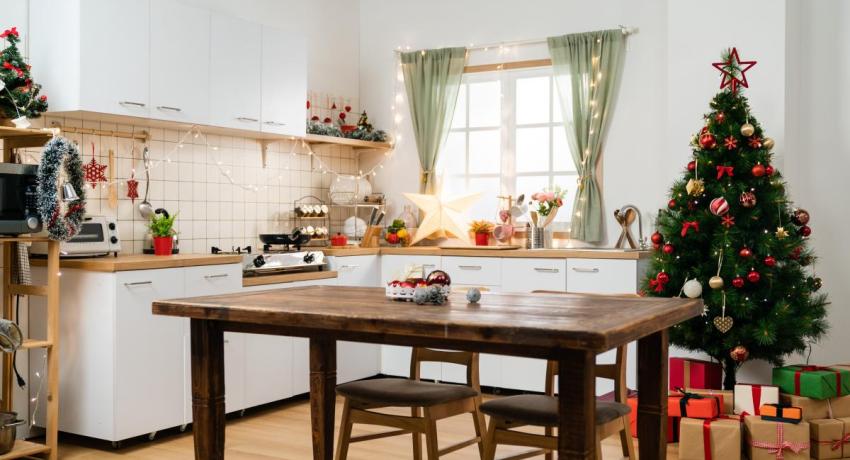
720,117
739,354
800,217
727,221
660,280
780,233
755,142
770,261
94,171
723,323
753,276
695,187
730,143
748,199
805,230
707,140
734,71
719,206
132,183
758,170
769,170
716,282
768,143
738,282
747,129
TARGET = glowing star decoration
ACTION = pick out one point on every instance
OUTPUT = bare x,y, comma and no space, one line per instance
734,71
781,233
442,217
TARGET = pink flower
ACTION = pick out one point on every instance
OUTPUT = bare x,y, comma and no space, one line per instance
549,196
43,98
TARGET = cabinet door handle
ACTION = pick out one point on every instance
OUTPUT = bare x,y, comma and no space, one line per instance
249,119
469,267
274,123
173,109
585,270
348,267
220,275
138,283
546,270
135,104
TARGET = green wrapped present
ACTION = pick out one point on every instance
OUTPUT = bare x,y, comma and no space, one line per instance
814,382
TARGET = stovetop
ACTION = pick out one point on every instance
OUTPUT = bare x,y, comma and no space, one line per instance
275,260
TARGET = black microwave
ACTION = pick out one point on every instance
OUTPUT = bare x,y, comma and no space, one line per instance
18,199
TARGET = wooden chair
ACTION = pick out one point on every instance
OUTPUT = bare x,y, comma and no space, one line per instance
512,412
428,403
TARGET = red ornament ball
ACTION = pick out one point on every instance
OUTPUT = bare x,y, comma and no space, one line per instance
769,170
753,276
663,277
439,278
719,206
738,282
770,261
745,252
656,246
739,354
748,199
707,141
720,117
805,230
671,204
796,252
692,166
668,248
657,238
758,170
800,217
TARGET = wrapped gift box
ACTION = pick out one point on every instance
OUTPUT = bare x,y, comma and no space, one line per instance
694,405
781,413
830,437
695,373
672,423
812,381
728,397
724,437
768,440
749,397
818,408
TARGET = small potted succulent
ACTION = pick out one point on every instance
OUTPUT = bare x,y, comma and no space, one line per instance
162,231
482,230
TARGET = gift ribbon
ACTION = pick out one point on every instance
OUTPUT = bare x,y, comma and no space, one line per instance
803,369
721,170
686,365
756,395
706,432
781,445
683,401
835,444
691,224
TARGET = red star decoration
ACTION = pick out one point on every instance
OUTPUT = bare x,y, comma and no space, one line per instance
734,71
730,143
132,189
728,221
755,142
94,172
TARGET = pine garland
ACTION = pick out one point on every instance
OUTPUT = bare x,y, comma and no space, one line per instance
58,152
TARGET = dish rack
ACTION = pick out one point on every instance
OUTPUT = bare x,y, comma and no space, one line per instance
310,211
397,292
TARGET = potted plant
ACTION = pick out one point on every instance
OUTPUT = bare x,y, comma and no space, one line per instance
482,230
162,231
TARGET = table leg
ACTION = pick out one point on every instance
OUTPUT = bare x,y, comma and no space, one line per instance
322,396
208,389
652,388
577,405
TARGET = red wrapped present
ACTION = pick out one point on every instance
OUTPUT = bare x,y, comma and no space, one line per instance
672,422
695,373
694,405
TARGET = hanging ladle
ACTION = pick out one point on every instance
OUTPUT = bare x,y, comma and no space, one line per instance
145,208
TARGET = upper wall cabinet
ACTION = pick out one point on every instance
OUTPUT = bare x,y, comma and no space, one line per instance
284,75
235,56
180,62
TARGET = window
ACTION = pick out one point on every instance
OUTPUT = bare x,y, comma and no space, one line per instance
507,138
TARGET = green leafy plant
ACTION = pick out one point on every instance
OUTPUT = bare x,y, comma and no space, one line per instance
162,225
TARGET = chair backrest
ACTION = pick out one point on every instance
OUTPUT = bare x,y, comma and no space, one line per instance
615,371
467,359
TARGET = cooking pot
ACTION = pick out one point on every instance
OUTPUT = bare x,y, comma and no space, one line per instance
8,429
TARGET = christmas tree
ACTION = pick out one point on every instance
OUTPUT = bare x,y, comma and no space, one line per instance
18,94
731,236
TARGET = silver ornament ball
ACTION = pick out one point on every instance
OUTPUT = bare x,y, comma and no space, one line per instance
473,295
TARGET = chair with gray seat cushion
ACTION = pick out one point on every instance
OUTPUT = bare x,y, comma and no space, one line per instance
428,403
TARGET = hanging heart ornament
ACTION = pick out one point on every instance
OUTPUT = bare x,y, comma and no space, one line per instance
723,323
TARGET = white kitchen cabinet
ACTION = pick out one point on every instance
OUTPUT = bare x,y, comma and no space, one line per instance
284,82
604,276
356,270
235,61
527,275
180,62
92,54
473,271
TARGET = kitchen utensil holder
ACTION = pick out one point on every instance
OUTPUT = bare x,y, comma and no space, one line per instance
537,237
371,237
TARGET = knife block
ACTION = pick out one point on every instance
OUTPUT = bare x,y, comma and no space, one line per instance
371,237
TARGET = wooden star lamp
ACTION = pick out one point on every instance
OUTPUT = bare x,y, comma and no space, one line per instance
442,217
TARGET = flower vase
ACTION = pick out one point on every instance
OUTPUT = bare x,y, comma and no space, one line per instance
482,239
162,245
537,237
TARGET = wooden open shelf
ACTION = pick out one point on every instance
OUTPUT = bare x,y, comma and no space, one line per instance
16,138
315,139
25,449
31,343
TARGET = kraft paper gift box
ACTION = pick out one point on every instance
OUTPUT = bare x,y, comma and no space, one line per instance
767,440
830,437
818,408
695,373
724,437
812,381
694,405
672,423
728,397
749,397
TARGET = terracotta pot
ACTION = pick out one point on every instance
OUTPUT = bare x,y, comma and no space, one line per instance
162,245
482,239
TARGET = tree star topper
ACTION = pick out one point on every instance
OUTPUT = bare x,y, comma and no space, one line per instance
734,71
442,216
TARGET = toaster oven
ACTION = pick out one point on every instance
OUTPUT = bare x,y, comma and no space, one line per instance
98,236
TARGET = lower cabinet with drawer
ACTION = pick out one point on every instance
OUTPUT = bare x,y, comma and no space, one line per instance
604,276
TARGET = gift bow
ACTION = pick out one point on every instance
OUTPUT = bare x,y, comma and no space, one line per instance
808,368
687,225
706,431
721,170
781,445
841,441
683,402
657,284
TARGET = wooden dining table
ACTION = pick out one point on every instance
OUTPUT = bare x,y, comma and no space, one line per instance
569,328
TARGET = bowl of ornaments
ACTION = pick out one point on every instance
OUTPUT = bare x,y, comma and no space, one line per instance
433,289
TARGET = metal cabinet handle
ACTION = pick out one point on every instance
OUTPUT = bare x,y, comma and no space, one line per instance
585,270
138,283
252,120
274,123
469,267
546,270
220,275
135,104
165,107
349,267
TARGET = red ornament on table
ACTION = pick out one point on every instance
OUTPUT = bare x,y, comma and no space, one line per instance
745,252
758,170
727,221
707,141
753,276
730,143
770,261
805,230
720,117
734,71
692,166
748,199
719,206
671,204
668,248
738,282
94,171
769,170
739,354
755,142
132,189
657,238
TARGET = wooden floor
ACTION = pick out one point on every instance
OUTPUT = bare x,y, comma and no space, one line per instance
283,432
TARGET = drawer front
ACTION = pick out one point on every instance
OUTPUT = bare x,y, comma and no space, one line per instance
602,276
356,270
394,266
475,271
213,279
526,275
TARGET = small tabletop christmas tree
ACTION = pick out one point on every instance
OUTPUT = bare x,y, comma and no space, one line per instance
730,235
18,94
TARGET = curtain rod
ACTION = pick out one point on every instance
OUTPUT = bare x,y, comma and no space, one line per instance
537,41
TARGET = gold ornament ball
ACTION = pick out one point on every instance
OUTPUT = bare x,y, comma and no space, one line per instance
716,282
747,129
768,143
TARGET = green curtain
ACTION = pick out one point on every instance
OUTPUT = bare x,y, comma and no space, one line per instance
432,80
587,68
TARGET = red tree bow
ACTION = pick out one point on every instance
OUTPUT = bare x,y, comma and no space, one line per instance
658,283
721,170
692,224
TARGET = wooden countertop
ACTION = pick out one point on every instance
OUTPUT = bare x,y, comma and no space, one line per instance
566,253
286,278
143,262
